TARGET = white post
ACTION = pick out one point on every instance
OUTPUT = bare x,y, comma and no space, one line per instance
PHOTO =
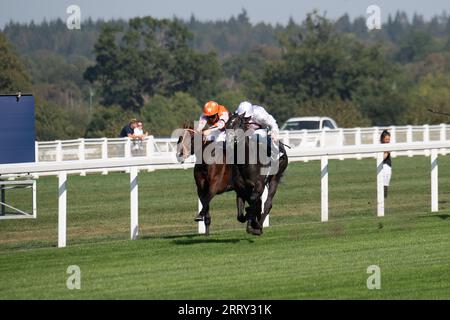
358,141
128,148
426,138
59,155
409,138
376,135
34,200
201,224
81,154
341,141
62,209
127,152
36,156
266,223
150,151
105,153
393,131
36,151
324,188
134,204
380,185
434,181
443,137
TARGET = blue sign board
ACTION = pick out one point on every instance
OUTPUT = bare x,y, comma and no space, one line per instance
17,129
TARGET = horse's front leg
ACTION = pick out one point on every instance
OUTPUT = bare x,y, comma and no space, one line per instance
240,204
256,204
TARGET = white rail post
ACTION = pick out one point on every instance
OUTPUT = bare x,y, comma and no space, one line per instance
105,153
59,155
81,154
341,141
150,151
36,156
127,152
36,151
426,138
324,184
443,137
62,209
34,199
128,148
409,138
434,181
358,141
265,194
134,203
393,131
380,185
201,224
376,135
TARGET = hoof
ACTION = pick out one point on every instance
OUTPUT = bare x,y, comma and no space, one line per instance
255,232
241,218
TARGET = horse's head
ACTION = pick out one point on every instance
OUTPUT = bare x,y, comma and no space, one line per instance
236,123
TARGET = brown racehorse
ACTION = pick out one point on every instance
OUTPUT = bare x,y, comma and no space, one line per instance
211,179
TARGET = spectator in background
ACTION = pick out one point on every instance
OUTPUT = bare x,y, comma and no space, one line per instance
387,163
128,130
139,131
139,135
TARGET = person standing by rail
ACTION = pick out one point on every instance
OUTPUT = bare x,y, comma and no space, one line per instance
387,162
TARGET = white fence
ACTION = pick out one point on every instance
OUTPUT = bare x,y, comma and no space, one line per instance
164,148
160,160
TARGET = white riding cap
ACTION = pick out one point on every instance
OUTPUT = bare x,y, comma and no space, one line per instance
245,108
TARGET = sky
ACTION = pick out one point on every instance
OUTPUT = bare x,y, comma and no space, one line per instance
275,11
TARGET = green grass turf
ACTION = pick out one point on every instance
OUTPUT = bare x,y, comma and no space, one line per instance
297,257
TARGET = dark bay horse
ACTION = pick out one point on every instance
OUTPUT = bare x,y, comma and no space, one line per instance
211,179
249,179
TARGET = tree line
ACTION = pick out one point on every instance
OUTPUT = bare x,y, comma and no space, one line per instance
89,82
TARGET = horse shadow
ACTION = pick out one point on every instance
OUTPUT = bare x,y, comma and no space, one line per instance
192,239
440,216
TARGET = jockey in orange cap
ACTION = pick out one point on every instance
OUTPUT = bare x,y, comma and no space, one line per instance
216,116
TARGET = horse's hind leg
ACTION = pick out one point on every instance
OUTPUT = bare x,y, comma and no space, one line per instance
273,185
207,223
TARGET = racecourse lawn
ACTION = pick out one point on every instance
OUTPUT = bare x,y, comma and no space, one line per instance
296,258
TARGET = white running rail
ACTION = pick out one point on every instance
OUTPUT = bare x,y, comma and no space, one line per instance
165,148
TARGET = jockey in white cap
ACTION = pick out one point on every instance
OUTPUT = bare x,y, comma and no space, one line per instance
261,121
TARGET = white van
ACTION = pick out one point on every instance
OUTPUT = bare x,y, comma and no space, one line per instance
307,132
309,123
